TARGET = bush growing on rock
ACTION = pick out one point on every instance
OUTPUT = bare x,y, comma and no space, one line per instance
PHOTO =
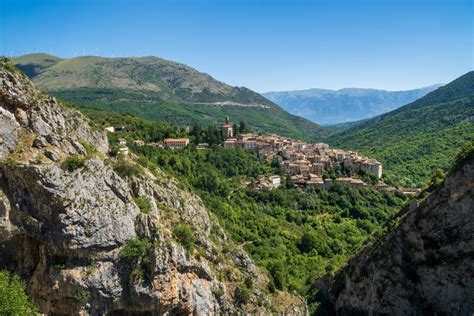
136,250
82,296
143,204
13,299
125,169
465,155
73,162
242,295
91,150
185,236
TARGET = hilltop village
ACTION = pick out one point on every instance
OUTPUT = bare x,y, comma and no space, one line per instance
304,163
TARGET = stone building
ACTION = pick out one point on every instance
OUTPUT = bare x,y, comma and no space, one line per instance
176,142
227,130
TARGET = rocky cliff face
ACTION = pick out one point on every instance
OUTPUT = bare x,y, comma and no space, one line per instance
423,267
80,240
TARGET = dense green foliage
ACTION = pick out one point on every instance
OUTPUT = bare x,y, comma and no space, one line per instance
338,128
185,236
136,253
72,163
269,120
295,235
126,169
158,90
465,155
13,299
414,141
143,204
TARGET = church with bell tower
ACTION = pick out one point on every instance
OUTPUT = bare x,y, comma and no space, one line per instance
227,130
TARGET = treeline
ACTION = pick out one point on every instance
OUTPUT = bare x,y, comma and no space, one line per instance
212,134
151,131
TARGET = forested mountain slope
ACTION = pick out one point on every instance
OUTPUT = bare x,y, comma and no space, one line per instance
296,235
158,89
421,266
416,139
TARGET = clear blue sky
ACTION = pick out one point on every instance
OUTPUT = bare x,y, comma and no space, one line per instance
264,45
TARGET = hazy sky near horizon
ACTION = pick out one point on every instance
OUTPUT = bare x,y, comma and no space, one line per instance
263,45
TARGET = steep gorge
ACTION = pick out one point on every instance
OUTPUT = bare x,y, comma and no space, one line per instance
424,266
71,227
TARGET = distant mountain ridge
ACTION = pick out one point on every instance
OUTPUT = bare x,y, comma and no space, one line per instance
415,140
330,107
159,89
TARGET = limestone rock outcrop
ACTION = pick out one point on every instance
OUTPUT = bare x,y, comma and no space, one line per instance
425,266
64,228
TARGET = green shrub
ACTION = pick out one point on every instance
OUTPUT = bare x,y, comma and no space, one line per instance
136,251
125,169
137,272
143,161
242,295
82,296
9,65
143,204
185,236
465,155
13,299
91,150
73,162
308,242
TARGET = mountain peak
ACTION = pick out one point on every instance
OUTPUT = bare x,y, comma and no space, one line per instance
158,89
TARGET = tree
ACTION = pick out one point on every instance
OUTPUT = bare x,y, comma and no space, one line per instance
13,299
465,155
197,133
243,127
308,242
236,129
279,274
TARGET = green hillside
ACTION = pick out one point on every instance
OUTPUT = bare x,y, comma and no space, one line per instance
35,64
295,235
158,89
419,138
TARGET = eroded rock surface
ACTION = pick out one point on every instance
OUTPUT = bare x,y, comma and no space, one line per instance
64,229
423,267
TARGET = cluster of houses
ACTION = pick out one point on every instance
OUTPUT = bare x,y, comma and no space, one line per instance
173,143
269,183
304,162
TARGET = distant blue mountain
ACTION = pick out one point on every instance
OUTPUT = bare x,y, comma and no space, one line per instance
328,107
